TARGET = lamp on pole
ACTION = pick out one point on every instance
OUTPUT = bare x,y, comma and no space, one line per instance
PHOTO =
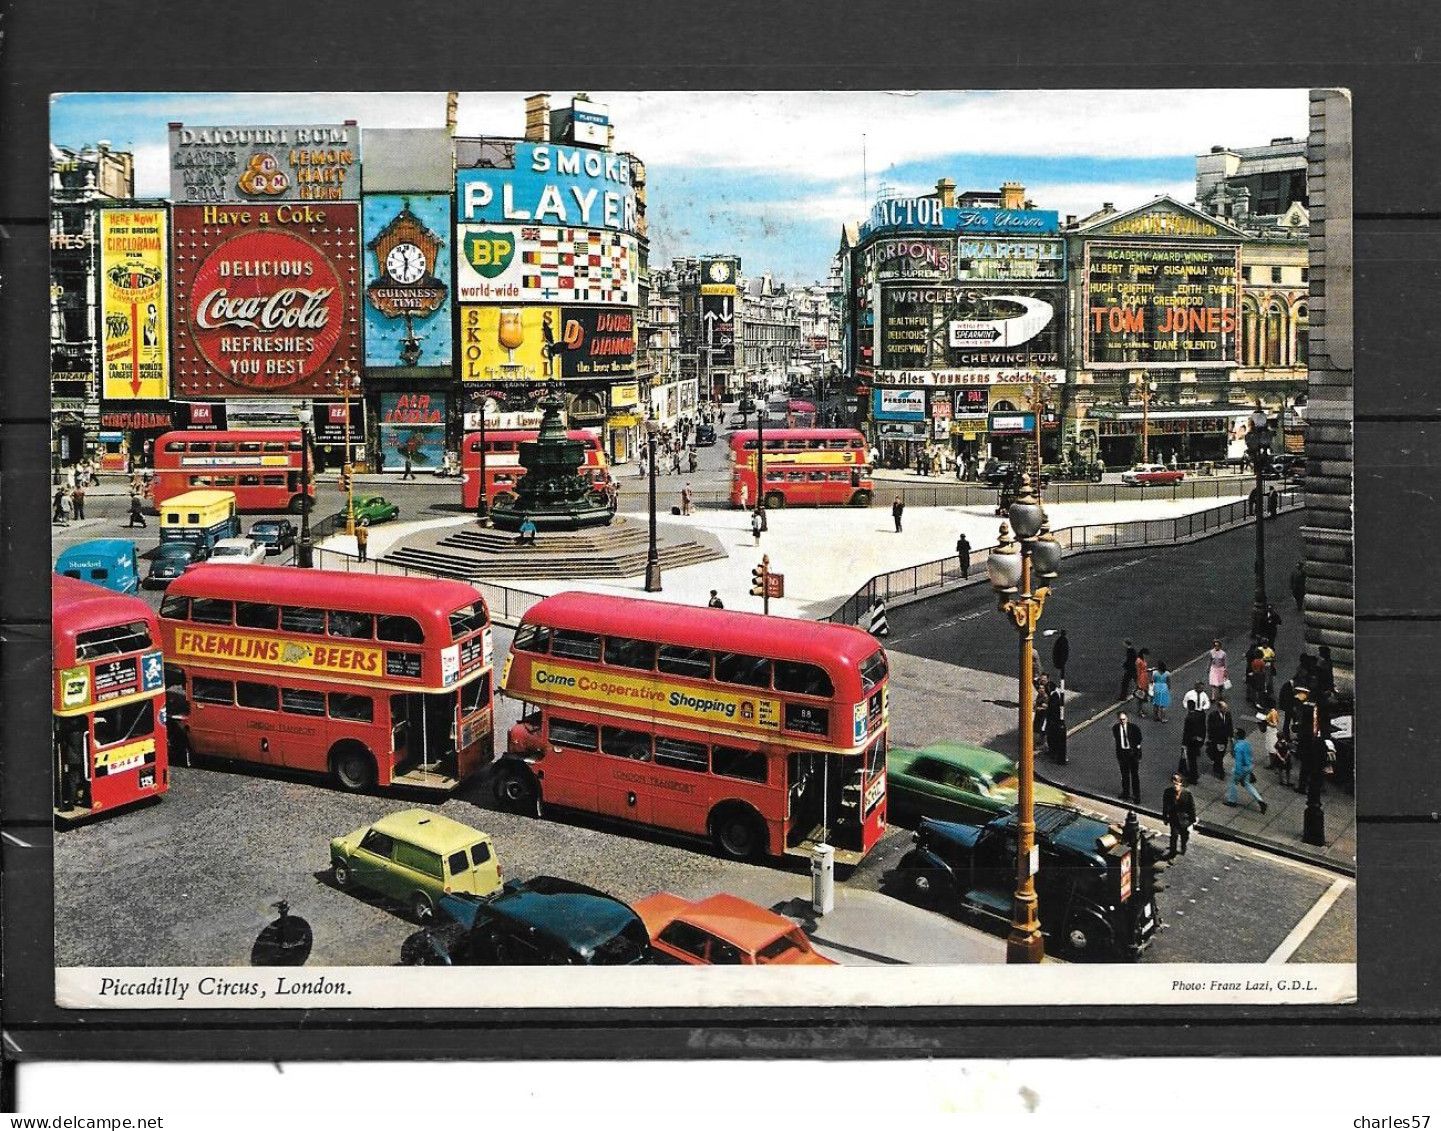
1258,447
652,560
1148,387
482,500
1012,565
305,549
348,380
761,460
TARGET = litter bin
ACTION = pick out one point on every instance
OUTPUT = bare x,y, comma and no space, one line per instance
823,879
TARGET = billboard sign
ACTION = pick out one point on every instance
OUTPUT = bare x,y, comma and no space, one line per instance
597,342
510,343
899,404
407,273
133,304
412,424
1163,305
718,329
950,327
919,258
263,164
559,185
927,213
1001,259
970,404
530,263
263,303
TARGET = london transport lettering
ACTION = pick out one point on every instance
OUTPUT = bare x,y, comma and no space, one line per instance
352,660
745,712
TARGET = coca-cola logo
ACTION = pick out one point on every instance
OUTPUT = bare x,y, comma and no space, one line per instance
266,309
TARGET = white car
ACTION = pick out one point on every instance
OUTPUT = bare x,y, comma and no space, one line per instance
242,550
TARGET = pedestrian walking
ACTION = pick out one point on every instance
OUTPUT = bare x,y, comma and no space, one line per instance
1143,682
687,499
1178,810
1242,774
641,468
898,508
1273,625
963,552
77,499
1216,674
1193,739
409,472
137,513
362,540
756,526
62,499
1061,653
1253,500
1128,671
1325,675
675,461
1161,691
1273,503
1128,739
1196,699
1056,724
715,602
1298,585
1219,730
691,460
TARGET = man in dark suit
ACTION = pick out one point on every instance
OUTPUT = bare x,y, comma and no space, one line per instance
1128,671
1219,728
1178,809
1128,756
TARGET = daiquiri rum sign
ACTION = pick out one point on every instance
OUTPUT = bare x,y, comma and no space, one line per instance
265,298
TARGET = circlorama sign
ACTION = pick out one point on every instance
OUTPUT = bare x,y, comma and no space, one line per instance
267,308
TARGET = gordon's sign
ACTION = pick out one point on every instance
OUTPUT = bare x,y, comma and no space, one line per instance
347,659
265,298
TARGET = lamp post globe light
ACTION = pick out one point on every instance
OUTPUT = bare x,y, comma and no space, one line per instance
1026,553
304,550
1258,447
652,560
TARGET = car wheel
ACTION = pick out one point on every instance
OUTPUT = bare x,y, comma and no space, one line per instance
739,834
515,789
354,769
921,887
1084,937
421,909
341,873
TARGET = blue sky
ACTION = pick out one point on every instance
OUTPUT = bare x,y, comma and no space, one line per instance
771,175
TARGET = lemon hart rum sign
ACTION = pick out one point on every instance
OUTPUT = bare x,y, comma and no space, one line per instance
265,298
407,268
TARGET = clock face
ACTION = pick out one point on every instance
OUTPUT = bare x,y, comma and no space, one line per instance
720,272
405,263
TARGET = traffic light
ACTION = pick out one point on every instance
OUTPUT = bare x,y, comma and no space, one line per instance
758,578
1154,864
345,479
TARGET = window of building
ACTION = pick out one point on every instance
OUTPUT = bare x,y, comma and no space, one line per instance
1275,335
1275,274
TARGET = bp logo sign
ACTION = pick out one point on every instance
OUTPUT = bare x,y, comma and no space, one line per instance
489,253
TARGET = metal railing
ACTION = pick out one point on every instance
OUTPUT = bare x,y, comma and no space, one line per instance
936,575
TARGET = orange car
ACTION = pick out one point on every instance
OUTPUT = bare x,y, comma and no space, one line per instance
723,930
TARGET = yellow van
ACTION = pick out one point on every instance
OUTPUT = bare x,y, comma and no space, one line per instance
416,856
201,517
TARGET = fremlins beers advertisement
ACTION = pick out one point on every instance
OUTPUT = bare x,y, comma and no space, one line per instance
265,298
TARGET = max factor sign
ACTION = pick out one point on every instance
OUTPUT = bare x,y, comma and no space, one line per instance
927,212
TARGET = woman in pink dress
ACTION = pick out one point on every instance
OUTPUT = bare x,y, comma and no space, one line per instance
1217,677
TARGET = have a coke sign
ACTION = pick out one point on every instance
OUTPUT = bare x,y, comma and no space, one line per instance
266,304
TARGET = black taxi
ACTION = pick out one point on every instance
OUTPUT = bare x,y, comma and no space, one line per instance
1095,887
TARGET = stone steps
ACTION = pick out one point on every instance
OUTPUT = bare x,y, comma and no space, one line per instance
527,564
598,543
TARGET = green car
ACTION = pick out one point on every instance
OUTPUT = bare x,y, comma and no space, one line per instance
373,509
951,781
414,857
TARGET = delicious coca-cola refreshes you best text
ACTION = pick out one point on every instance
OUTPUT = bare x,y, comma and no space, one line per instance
262,299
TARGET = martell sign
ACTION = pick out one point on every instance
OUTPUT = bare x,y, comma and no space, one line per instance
263,298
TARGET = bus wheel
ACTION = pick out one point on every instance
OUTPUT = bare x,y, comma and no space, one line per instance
420,908
300,504
861,499
353,768
775,501
515,789
738,833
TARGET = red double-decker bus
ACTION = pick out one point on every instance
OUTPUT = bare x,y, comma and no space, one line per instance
108,686
816,467
502,462
262,467
763,734
371,679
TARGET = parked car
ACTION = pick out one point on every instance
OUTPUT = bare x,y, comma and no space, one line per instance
276,534
543,921
723,930
997,472
955,782
1289,466
704,435
1152,475
416,857
1094,899
233,550
372,509
172,559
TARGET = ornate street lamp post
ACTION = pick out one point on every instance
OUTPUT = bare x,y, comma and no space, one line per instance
761,402
349,381
1258,446
1011,567
305,550
652,560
